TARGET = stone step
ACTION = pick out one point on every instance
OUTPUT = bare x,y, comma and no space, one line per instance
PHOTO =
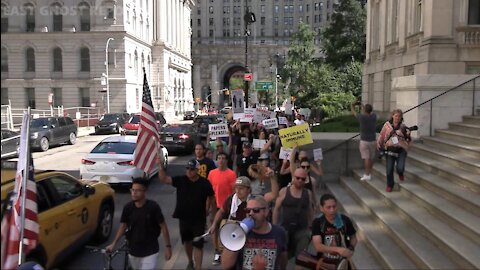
452,146
417,247
384,252
461,196
448,157
470,129
474,120
454,215
457,137
456,175
462,250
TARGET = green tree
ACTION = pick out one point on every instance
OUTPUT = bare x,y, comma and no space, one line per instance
343,40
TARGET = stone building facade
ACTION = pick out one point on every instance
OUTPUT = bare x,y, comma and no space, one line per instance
61,48
218,41
417,49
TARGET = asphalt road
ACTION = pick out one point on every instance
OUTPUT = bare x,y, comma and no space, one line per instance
68,157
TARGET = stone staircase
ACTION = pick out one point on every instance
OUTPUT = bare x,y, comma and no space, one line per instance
432,219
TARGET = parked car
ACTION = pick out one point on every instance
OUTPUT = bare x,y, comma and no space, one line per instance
110,122
10,143
189,115
70,212
201,123
48,131
226,110
131,127
111,161
180,138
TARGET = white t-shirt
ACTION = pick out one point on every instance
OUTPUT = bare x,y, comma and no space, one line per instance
298,122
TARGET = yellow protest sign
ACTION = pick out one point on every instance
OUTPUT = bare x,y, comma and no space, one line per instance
296,135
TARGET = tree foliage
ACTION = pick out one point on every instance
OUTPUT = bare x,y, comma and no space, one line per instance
344,40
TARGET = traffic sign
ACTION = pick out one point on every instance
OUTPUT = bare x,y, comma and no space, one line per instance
265,86
247,76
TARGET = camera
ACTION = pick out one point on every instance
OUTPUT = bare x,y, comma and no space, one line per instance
381,153
412,128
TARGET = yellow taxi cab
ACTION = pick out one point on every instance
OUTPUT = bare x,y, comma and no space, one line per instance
70,212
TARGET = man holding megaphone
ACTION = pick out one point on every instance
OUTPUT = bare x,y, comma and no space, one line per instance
264,246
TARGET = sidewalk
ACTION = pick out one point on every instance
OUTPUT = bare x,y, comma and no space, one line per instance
84,131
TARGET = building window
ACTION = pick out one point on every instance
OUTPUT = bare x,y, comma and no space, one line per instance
135,64
210,21
275,9
57,60
29,18
300,9
30,97
85,16
84,59
29,60
84,97
5,11
275,20
57,17
473,12
308,7
226,10
262,20
199,22
199,33
210,10
4,96
262,32
199,11
57,97
4,60
210,33
262,9
418,16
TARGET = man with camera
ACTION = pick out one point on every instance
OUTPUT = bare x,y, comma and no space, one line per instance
394,141
367,120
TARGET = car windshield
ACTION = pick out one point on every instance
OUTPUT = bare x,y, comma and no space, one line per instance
114,148
110,117
38,123
204,120
175,129
135,119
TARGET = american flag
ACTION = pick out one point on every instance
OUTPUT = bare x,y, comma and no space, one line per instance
148,142
12,222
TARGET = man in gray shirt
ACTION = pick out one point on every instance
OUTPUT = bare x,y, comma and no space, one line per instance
367,146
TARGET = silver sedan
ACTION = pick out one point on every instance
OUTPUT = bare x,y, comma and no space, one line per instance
111,161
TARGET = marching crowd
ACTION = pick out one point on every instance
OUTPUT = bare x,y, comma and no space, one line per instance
228,181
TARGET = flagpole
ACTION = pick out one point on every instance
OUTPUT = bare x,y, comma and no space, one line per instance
21,255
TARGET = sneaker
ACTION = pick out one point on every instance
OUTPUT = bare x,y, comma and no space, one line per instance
389,189
401,178
216,258
190,266
365,177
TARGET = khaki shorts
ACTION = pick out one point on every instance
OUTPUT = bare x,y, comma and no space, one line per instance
367,149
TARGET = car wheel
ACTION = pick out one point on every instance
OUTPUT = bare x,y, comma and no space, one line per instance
117,130
104,225
44,144
72,139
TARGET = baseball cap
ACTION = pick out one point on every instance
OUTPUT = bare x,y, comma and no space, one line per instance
247,145
242,181
193,164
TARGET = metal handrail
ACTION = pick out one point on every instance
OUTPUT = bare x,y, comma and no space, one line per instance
420,104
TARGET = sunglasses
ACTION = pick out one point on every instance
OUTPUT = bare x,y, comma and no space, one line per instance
255,210
301,178
305,167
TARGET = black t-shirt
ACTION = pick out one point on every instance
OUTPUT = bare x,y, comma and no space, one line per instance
331,235
206,165
244,162
143,226
191,197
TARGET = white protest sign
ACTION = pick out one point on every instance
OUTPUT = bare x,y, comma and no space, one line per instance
288,108
258,143
317,154
248,115
238,116
270,123
218,130
237,101
284,153
282,120
261,115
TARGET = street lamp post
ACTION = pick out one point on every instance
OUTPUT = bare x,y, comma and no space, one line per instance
249,18
106,74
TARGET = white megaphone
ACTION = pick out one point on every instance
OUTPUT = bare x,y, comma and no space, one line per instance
234,235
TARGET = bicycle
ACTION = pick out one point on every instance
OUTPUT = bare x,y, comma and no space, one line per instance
108,256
